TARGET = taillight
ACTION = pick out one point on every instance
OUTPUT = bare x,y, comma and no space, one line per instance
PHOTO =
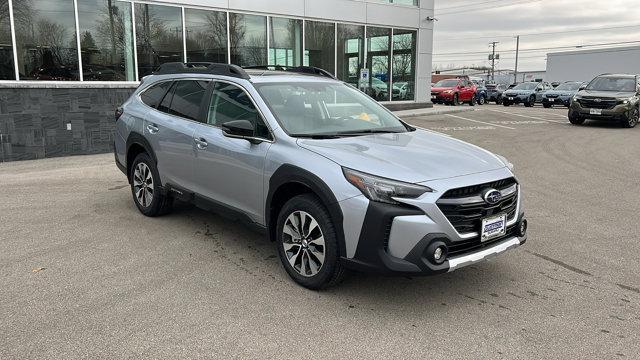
119,113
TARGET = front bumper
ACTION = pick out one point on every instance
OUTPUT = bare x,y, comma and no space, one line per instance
565,101
617,113
400,239
515,99
441,98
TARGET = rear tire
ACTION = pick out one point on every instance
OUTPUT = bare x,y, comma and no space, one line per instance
505,103
146,188
482,100
308,243
472,102
546,106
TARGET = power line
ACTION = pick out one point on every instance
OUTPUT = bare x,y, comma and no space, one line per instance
544,33
543,48
490,8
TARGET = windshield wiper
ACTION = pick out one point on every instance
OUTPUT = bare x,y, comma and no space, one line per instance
368,131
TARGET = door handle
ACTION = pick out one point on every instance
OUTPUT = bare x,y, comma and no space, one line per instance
201,143
152,128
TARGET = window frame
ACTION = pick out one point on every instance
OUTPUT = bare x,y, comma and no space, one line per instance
207,103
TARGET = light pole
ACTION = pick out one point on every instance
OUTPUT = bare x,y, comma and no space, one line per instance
515,74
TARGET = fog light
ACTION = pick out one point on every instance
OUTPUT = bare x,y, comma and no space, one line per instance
522,230
437,255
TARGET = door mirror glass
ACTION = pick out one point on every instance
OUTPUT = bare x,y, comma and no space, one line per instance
238,128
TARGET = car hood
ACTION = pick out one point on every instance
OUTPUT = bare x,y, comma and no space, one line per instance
441,89
413,157
518,92
607,94
561,92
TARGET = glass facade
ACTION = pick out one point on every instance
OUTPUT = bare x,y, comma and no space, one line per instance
7,69
158,36
350,56
121,40
46,41
206,35
106,40
248,39
404,64
285,45
320,42
378,55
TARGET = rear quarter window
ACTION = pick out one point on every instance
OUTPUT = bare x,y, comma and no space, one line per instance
154,94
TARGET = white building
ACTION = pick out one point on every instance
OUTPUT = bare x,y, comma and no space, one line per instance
66,64
584,65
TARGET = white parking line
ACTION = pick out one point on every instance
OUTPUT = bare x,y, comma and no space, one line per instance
527,116
480,122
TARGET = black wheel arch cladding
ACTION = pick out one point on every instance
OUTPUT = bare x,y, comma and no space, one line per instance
293,177
136,139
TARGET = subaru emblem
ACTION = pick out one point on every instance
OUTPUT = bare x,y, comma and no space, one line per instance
492,196
597,100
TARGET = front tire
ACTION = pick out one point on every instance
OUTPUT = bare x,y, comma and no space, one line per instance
505,103
308,244
455,101
530,102
146,188
632,119
576,119
546,106
482,100
472,102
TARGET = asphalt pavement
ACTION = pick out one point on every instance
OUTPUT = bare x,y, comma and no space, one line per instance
84,275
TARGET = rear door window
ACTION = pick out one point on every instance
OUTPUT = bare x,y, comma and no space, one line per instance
154,94
187,98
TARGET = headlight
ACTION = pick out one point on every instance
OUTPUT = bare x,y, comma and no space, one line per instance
381,189
505,161
576,98
448,91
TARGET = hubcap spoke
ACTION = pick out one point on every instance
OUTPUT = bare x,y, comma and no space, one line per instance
143,184
303,243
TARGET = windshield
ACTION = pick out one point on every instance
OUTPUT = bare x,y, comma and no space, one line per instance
326,109
526,86
569,86
607,83
446,83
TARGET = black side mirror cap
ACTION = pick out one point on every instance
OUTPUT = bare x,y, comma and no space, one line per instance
582,88
238,128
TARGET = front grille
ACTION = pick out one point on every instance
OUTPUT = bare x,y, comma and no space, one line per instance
592,103
463,247
552,96
466,217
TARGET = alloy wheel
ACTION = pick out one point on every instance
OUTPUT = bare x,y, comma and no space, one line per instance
634,117
303,243
143,184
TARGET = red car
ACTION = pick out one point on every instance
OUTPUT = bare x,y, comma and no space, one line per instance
454,92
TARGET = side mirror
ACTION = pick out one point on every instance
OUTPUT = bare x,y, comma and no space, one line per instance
242,129
582,88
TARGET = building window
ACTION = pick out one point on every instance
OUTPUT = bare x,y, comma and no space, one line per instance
320,43
404,64
378,52
350,53
158,36
106,40
46,40
248,39
7,70
206,36
285,45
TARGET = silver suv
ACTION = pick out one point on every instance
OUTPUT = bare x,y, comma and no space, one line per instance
336,180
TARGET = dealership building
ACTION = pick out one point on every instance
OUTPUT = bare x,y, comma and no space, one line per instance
65,65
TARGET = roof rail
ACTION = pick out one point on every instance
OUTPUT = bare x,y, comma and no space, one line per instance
202,68
309,70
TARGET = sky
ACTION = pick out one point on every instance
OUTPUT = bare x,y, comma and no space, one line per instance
465,29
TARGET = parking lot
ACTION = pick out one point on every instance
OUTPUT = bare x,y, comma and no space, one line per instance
84,274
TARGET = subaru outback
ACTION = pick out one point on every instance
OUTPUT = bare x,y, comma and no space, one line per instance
336,180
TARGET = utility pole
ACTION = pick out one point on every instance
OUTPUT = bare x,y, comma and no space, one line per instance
493,61
515,74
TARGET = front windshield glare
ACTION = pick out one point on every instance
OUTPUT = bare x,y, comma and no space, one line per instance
569,86
613,84
446,83
322,108
526,86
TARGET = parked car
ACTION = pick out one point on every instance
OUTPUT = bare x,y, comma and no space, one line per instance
527,93
481,90
454,92
561,95
402,90
335,179
495,91
608,97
